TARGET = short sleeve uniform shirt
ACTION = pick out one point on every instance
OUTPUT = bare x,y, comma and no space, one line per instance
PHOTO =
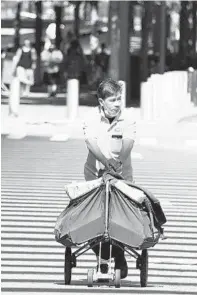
109,139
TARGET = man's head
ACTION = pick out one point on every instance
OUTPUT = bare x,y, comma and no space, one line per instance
109,95
27,43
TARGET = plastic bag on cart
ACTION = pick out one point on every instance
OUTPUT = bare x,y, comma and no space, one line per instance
131,219
76,189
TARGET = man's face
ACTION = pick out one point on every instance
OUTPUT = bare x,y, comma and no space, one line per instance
112,105
27,43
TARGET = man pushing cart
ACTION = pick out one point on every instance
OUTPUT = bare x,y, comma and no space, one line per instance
122,216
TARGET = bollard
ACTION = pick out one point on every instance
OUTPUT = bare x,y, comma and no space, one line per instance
14,97
142,101
123,84
155,79
150,99
72,98
146,100
194,88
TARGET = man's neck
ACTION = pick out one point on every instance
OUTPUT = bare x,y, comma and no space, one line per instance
110,119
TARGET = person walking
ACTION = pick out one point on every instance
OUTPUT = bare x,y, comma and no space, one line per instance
102,61
75,65
24,64
52,59
109,136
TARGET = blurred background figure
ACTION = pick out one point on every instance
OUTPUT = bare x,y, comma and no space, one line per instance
68,37
102,61
75,64
143,39
24,63
75,61
51,58
50,35
94,41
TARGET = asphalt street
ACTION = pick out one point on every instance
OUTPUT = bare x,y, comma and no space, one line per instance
34,172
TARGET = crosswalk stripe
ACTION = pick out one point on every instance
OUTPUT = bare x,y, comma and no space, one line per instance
34,172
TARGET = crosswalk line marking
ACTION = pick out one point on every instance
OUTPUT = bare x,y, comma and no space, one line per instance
31,248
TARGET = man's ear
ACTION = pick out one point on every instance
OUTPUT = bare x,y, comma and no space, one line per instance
100,100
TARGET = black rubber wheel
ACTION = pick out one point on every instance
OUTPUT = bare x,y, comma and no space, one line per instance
117,278
144,268
90,277
67,266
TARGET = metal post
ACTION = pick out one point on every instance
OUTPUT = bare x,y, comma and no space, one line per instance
107,209
72,98
162,43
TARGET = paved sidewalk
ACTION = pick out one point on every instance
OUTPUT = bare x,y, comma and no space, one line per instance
51,121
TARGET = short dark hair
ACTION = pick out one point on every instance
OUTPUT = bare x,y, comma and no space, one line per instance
108,88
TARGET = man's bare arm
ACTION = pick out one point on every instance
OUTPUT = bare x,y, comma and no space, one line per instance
95,150
127,146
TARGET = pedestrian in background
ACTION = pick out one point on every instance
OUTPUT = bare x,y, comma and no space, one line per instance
75,64
102,61
52,59
94,41
24,64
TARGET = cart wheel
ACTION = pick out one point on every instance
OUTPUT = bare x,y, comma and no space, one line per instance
117,279
90,277
67,266
144,268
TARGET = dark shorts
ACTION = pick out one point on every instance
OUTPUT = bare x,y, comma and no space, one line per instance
51,78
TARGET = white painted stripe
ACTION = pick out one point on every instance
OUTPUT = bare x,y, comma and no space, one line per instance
42,258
